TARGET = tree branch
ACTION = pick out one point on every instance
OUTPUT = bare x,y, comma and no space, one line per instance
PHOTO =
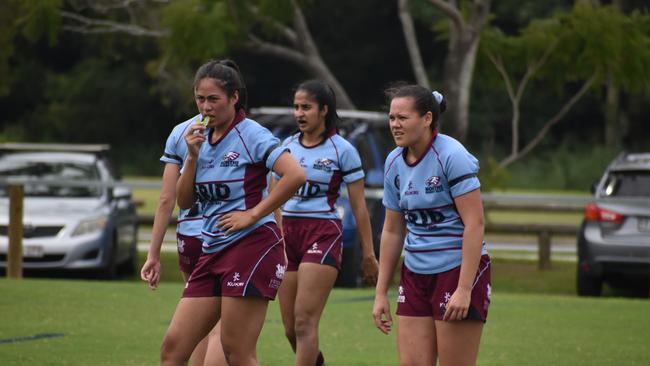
452,12
412,43
90,25
288,33
260,46
551,122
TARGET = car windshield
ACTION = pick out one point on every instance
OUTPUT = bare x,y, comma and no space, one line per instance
627,184
69,171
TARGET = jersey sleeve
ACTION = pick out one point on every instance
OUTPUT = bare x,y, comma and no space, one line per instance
171,154
351,169
267,147
391,186
462,172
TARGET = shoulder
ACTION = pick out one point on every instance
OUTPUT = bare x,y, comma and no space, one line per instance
392,158
180,128
293,139
251,127
341,143
447,145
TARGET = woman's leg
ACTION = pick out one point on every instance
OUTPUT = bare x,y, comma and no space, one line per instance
193,319
242,319
198,355
416,341
315,282
287,297
214,351
458,342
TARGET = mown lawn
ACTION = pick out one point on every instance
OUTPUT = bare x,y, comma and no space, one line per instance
122,323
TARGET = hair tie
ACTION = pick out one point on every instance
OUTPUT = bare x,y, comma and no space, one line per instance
437,96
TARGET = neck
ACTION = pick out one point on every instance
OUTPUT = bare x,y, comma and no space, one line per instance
418,148
220,129
314,137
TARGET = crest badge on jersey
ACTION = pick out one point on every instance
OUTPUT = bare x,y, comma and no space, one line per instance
432,185
324,164
230,159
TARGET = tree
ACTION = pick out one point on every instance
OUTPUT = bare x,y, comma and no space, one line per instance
466,21
199,29
588,46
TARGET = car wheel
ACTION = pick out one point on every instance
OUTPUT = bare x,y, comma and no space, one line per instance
589,285
109,270
350,265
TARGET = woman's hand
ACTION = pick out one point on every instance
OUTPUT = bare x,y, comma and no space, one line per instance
150,272
235,221
194,138
458,305
370,269
381,314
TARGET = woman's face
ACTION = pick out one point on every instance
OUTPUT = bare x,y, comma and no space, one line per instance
310,119
212,101
406,124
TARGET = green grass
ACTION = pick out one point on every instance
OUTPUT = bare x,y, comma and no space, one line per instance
122,323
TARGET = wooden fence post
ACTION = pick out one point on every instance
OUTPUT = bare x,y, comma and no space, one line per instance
15,249
544,249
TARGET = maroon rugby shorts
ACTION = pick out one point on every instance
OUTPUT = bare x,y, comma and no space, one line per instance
428,294
252,266
310,240
189,250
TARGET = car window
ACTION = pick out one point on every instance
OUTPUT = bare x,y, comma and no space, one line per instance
627,184
69,171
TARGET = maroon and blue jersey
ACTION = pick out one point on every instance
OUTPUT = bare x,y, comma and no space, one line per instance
326,166
190,220
424,193
231,175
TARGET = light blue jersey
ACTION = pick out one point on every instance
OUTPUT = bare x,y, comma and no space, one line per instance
231,176
326,165
424,192
189,221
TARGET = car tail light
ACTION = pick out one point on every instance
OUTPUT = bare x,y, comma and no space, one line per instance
595,213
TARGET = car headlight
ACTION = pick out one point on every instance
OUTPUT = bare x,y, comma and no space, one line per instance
90,226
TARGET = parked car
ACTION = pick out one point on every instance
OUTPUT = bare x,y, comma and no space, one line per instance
614,239
69,226
369,133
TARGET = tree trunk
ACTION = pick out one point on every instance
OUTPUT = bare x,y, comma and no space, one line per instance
459,70
412,43
612,124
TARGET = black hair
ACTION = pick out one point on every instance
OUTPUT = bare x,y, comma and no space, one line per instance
323,94
228,77
424,100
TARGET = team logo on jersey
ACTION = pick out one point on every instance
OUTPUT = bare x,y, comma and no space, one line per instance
410,190
400,295
396,181
301,162
209,164
314,249
181,245
230,159
324,164
235,281
432,185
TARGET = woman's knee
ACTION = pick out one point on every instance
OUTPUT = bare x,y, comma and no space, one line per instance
305,324
171,349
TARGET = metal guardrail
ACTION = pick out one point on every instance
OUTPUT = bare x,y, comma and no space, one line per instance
492,201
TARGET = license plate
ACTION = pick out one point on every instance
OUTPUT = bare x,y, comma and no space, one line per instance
644,224
33,251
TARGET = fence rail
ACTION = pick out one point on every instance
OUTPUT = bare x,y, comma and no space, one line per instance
491,201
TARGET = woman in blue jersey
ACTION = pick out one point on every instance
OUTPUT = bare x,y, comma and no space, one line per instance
311,226
243,260
435,214
188,237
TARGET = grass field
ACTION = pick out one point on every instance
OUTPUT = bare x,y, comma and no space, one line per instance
122,323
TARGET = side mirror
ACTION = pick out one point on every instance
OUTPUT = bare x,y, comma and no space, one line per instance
122,193
593,188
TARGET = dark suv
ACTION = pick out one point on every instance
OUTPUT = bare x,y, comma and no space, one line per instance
369,133
614,239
